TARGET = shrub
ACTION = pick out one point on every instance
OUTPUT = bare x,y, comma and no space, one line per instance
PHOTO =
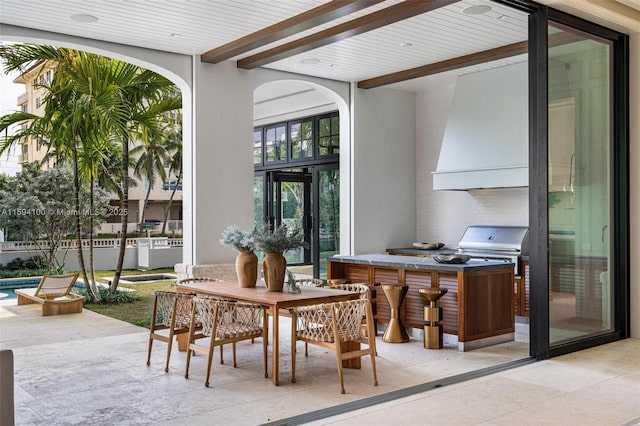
106,298
34,262
20,273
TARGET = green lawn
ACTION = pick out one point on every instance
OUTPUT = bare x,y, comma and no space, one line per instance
138,312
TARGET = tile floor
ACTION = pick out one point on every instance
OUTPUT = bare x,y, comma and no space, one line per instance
87,369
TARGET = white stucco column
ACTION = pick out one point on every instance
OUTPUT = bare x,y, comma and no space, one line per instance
383,182
219,164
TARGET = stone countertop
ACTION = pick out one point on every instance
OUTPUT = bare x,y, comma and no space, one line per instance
423,263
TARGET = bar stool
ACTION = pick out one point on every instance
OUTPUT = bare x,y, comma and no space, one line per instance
395,331
433,330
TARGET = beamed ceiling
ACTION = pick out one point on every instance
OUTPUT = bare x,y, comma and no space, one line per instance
371,42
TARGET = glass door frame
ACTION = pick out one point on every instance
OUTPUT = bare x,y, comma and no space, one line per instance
539,18
273,206
316,212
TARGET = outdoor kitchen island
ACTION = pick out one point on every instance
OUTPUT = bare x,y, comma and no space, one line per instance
478,306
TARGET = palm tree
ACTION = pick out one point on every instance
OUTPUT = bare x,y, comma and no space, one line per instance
150,163
146,97
70,119
91,99
174,148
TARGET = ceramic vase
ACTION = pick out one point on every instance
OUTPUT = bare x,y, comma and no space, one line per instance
274,267
247,269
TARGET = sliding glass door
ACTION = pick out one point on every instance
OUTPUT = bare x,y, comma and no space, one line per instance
581,301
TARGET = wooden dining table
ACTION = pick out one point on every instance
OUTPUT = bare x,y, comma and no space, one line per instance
271,300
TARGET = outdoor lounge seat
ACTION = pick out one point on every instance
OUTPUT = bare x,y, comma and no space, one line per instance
54,294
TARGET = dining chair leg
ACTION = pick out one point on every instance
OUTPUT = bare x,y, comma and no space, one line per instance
373,367
209,359
233,348
294,336
221,354
339,361
265,341
169,343
189,352
150,345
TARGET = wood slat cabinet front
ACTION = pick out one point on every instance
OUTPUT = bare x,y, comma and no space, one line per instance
478,304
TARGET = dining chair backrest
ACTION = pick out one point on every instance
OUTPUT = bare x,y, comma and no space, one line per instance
363,289
172,304
310,282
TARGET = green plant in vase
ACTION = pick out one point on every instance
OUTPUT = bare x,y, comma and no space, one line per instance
274,242
246,260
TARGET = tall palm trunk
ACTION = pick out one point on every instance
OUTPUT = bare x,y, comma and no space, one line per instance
76,187
146,203
124,204
167,210
91,262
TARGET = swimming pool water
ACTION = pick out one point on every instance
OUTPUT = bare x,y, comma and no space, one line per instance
7,286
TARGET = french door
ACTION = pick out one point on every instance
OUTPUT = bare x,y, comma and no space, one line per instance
288,201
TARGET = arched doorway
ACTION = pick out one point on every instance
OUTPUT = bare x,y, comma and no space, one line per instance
298,132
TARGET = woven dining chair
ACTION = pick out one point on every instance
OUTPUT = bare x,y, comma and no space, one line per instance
189,280
310,282
223,322
365,292
171,311
330,326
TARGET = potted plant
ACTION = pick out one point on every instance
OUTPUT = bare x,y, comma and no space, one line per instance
246,260
274,242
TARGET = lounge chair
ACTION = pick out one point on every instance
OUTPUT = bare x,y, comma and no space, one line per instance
54,294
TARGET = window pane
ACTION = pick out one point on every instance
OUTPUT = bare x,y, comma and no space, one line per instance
257,146
276,143
258,199
324,127
580,199
329,222
329,141
301,140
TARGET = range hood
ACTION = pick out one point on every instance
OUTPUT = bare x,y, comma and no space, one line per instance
485,143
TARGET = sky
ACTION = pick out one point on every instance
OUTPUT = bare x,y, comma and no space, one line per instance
9,93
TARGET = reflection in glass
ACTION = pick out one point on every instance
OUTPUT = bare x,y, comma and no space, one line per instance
580,282
329,222
329,135
301,136
276,143
257,146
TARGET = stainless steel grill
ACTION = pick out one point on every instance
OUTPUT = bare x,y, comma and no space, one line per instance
506,243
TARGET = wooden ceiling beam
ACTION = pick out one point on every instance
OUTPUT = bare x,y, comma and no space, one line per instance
372,21
317,16
448,65
502,52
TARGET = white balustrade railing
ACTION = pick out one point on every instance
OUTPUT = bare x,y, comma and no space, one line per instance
159,242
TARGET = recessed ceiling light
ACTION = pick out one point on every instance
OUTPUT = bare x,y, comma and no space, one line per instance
502,17
310,61
332,65
175,35
406,44
84,18
478,9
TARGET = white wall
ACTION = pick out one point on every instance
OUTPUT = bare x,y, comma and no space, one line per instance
219,163
383,169
442,216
